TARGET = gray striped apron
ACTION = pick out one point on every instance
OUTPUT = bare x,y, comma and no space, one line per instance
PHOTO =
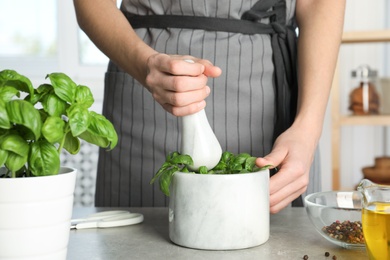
241,108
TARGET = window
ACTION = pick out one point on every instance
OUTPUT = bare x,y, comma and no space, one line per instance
41,36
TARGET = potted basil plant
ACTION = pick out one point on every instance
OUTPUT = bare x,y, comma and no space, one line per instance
36,193
223,208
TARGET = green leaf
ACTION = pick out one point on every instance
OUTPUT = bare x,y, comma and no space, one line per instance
264,167
4,119
100,127
7,93
241,158
3,157
220,166
53,129
91,138
171,155
79,119
44,159
44,88
250,163
182,159
163,168
64,87
23,113
184,169
53,105
14,143
166,179
203,170
226,156
84,96
72,144
15,162
10,78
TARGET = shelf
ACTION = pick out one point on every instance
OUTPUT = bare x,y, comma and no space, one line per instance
365,120
366,36
339,120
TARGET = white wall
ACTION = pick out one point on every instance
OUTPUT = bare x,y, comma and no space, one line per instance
359,144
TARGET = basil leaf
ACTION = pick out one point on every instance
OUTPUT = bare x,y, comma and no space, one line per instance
164,167
64,87
7,93
4,119
15,162
3,157
226,156
11,78
166,179
250,163
23,113
101,127
171,155
90,137
79,119
84,96
72,144
203,170
53,129
44,88
182,159
14,143
53,105
44,159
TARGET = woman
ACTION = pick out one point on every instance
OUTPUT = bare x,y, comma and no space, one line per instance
241,77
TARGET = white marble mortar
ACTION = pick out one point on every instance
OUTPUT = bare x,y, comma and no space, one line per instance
219,212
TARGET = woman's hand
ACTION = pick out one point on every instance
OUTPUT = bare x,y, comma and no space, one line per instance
179,86
292,154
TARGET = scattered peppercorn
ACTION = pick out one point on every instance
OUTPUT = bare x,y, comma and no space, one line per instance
347,231
334,257
327,254
305,257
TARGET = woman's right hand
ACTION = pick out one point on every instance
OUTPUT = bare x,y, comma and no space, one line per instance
179,86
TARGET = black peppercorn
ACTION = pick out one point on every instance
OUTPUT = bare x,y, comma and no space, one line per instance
334,257
305,257
327,254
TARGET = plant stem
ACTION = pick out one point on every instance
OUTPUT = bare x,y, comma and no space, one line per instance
63,139
13,174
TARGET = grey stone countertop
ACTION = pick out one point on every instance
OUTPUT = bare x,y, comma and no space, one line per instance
292,236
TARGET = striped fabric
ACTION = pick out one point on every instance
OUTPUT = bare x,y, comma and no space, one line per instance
240,107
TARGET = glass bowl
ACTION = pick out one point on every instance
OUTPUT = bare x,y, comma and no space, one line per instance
337,215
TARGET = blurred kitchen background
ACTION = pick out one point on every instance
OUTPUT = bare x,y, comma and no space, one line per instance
42,36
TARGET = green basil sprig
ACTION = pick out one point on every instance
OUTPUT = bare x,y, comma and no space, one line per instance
36,126
228,164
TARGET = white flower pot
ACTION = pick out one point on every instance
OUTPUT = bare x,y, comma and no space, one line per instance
35,216
219,212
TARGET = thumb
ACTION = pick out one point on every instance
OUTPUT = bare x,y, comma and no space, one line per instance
274,158
210,70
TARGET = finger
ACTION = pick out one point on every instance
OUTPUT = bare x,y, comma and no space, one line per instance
275,158
278,206
181,99
210,70
174,65
289,173
287,190
186,110
181,67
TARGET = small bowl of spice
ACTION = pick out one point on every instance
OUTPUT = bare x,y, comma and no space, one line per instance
337,215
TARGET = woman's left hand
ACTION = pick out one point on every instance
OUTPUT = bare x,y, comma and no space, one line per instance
292,154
